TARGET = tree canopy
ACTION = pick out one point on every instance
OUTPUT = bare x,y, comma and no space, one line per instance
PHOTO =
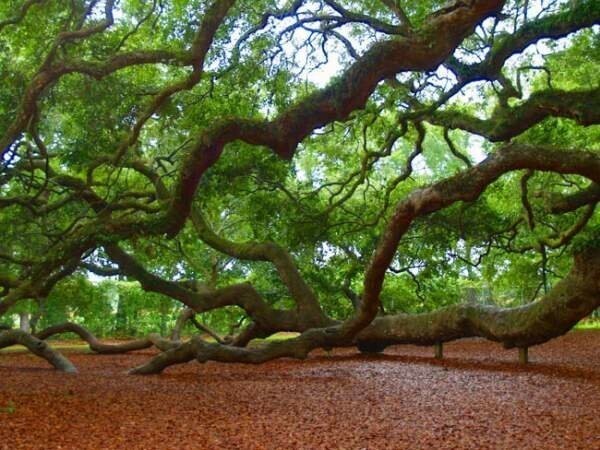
362,173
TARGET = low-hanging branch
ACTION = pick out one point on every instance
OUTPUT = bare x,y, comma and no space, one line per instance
107,349
572,299
188,314
305,298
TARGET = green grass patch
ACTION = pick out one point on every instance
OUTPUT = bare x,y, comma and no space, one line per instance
588,325
68,346
9,408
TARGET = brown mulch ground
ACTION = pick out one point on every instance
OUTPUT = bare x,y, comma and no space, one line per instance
478,397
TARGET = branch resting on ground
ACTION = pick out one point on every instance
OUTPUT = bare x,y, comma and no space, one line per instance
37,347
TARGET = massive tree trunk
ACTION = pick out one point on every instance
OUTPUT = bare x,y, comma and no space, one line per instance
572,299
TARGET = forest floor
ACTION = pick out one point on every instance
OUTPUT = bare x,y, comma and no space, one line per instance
477,397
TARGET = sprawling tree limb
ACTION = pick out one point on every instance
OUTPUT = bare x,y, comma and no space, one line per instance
203,351
573,298
556,313
579,15
243,295
37,347
508,122
307,303
99,347
465,186
425,50
588,196
188,314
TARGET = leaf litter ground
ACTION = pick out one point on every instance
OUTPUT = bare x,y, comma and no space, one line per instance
477,397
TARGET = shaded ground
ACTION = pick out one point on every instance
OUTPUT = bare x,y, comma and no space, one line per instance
478,397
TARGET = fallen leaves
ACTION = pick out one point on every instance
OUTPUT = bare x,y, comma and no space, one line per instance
477,397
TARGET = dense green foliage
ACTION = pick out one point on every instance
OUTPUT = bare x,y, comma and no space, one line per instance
328,206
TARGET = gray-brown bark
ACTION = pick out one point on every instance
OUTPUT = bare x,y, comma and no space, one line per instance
243,295
569,301
422,49
466,186
37,347
308,306
99,347
188,314
440,34
507,122
572,299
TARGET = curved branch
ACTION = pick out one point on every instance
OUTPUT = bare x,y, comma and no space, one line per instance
243,295
37,347
578,15
305,298
556,313
588,196
439,36
189,314
99,347
573,298
465,186
506,123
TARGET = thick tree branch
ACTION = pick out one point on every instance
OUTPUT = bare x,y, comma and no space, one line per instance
505,123
465,186
305,298
107,349
37,347
439,36
573,298
578,15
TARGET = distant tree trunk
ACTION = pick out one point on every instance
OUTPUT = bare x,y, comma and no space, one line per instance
35,317
184,316
120,317
24,322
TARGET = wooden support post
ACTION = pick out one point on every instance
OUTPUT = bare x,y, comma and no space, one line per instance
439,350
523,355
